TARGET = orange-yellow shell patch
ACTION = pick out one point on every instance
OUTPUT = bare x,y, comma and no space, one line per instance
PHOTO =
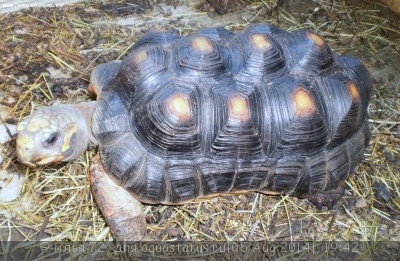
179,106
260,42
238,108
353,91
202,44
318,40
139,56
303,103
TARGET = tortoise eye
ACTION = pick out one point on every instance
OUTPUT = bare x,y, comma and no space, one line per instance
52,139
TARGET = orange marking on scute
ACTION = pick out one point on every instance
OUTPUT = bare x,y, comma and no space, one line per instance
179,106
353,91
318,41
238,108
302,102
202,44
139,56
260,42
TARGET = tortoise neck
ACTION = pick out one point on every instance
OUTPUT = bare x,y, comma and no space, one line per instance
87,109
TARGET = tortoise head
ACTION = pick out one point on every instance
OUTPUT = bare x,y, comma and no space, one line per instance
52,134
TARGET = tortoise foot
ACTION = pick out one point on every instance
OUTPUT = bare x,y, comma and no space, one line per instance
326,198
122,212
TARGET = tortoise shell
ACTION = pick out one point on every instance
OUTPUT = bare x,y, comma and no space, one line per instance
216,112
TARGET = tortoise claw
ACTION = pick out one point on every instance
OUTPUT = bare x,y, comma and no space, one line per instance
326,198
330,204
318,204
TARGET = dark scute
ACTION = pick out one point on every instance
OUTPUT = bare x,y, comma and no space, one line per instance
149,73
157,38
338,164
195,65
264,29
110,116
304,135
343,115
359,74
218,174
305,58
218,34
253,173
283,132
185,181
162,134
232,138
290,174
125,158
105,73
317,169
356,145
257,64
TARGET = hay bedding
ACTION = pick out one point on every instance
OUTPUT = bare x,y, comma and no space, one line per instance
47,54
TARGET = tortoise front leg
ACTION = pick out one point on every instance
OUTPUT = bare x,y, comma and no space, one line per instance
123,213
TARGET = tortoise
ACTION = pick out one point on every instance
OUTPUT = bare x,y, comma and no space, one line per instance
214,112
